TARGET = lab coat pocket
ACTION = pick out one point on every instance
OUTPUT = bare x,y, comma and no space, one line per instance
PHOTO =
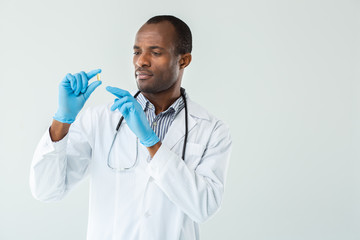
193,154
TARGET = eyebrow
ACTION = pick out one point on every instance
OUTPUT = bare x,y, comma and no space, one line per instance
151,47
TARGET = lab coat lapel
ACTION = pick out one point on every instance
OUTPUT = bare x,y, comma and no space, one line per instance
176,131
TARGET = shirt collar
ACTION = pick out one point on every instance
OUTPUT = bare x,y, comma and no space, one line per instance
176,107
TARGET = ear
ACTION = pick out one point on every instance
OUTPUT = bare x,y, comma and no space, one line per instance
185,60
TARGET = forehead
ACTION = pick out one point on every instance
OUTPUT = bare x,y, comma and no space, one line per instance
156,34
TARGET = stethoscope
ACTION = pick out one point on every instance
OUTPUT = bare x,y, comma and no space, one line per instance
124,169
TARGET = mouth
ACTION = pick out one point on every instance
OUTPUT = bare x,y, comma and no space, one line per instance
143,75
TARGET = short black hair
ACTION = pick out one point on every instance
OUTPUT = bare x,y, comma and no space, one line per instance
184,38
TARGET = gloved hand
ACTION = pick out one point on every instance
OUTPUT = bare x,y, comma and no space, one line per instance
134,116
73,93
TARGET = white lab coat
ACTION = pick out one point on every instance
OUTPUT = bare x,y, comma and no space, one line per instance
163,198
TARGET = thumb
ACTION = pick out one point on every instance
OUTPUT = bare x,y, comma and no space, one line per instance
91,88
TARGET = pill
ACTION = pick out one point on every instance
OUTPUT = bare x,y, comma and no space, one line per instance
98,77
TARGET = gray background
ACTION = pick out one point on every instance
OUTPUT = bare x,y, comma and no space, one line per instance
283,74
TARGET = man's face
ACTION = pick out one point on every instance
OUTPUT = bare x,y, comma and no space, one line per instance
156,64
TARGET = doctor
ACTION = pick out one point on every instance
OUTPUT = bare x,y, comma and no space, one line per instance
141,185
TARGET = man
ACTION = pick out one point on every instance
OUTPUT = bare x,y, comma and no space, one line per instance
141,185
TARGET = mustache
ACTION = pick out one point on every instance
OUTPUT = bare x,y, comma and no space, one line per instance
140,69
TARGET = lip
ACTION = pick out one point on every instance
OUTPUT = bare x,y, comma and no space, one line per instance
142,75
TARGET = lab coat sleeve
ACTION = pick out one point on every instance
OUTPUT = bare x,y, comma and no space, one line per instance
198,193
58,166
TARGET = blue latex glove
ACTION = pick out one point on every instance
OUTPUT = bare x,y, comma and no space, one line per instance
134,116
73,93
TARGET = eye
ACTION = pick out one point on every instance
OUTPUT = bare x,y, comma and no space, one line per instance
136,53
156,53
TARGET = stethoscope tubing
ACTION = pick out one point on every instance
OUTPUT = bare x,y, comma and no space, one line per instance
182,92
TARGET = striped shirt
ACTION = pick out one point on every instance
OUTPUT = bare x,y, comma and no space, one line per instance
160,123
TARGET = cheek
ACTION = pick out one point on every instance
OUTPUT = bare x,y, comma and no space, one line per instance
167,68
164,67
172,68
170,73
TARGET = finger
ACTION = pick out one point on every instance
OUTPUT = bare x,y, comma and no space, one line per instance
66,81
67,78
93,73
84,81
78,84
126,108
118,92
116,99
91,88
115,105
72,80
118,102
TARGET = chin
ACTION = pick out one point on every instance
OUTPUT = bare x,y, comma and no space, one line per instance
145,88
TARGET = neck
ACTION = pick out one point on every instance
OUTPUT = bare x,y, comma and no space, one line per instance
163,100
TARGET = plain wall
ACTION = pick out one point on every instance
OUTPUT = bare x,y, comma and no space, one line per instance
284,75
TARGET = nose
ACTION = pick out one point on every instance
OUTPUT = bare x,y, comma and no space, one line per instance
142,60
